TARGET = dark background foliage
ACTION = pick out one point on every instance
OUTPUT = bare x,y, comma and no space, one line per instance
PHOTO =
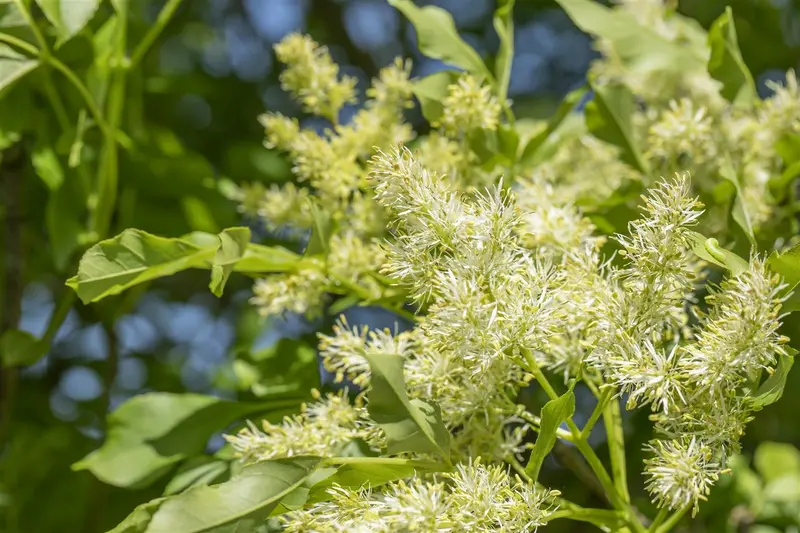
193,115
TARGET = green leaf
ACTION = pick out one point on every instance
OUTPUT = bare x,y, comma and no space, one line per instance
357,475
554,413
18,348
232,246
132,257
776,459
741,211
431,90
638,47
13,66
202,470
241,504
504,26
150,433
68,16
787,264
726,64
609,117
290,366
409,425
137,521
710,250
772,389
533,152
438,38
779,185
320,232
260,259
47,166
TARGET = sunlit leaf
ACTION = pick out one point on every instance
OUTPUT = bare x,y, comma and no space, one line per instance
639,47
134,256
202,470
240,504
232,247
13,66
151,433
69,16
438,38
554,413
609,117
711,251
430,91
410,425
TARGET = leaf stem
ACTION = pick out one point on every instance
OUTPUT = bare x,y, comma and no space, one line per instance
662,514
19,43
616,447
672,521
163,18
602,400
37,33
57,318
617,500
536,423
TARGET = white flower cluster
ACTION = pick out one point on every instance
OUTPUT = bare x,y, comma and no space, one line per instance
473,498
322,428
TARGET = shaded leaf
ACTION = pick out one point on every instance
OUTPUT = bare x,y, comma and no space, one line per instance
18,348
438,38
554,413
776,459
409,425
532,153
240,504
431,90
233,243
710,250
609,117
150,433
726,64
13,66
772,389
320,232
787,264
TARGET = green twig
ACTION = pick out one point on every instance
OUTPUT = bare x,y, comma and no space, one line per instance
660,517
673,520
19,43
602,400
163,18
617,500
616,447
